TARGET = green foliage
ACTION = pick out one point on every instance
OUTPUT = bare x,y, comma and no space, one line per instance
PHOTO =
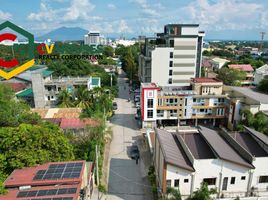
13,112
258,121
263,85
231,76
203,193
28,145
152,179
108,51
107,61
102,189
173,194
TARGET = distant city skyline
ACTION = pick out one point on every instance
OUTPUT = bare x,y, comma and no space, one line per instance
220,19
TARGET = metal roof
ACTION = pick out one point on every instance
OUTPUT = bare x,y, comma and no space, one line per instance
246,140
198,146
253,94
172,150
26,93
258,135
222,148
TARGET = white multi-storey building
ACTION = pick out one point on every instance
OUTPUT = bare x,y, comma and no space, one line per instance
234,167
94,38
173,57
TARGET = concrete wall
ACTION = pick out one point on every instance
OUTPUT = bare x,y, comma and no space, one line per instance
38,90
261,164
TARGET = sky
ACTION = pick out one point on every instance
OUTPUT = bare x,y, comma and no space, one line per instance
220,19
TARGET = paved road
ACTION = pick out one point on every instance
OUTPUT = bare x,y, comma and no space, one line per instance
127,180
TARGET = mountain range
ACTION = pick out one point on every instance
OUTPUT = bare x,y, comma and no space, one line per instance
64,34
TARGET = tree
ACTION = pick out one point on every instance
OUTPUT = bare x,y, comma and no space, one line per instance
173,194
263,85
131,65
32,145
108,51
203,193
231,76
65,99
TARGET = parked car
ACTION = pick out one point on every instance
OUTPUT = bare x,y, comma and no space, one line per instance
114,106
134,152
138,105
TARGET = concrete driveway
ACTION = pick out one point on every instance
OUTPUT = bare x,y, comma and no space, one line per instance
127,180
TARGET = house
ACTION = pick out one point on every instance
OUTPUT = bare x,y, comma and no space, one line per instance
185,160
248,69
93,82
260,74
217,63
70,180
242,98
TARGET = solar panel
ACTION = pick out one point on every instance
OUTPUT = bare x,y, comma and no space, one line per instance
60,171
37,193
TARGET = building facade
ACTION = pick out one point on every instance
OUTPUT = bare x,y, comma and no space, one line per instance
235,169
260,74
202,102
92,38
173,57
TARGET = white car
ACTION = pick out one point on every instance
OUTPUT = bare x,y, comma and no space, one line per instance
138,105
137,98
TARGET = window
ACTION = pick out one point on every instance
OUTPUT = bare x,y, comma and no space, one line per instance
263,179
48,98
168,183
176,182
59,88
233,180
171,63
150,103
210,181
160,113
194,99
169,81
171,43
171,55
49,88
149,114
170,72
173,113
52,97
243,178
186,180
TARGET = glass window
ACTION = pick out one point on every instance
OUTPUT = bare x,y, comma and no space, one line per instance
171,63
168,183
210,181
186,180
176,182
170,72
263,179
171,43
150,103
171,55
149,114
160,113
233,180
170,81
243,178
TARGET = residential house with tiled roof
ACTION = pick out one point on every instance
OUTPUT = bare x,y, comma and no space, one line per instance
248,69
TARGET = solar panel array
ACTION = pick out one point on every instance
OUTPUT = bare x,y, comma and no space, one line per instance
58,198
60,171
50,192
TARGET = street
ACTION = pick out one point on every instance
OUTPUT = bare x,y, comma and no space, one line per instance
127,180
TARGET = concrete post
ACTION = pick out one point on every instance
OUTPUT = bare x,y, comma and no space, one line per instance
196,122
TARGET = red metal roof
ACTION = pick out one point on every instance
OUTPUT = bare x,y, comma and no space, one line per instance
16,86
12,193
20,177
205,80
243,67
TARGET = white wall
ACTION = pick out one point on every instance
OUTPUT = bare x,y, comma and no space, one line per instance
261,164
160,66
150,94
189,30
174,173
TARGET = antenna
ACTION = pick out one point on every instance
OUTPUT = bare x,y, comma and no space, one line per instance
262,39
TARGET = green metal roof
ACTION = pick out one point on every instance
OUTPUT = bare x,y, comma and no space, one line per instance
35,67
26,93
95,80
46,73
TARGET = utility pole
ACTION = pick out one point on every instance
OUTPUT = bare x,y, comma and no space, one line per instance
97,165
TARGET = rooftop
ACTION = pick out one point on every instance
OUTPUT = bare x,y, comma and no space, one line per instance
243,67
206,80
47,174
172,150
198,146
148,85
16,87
258,135
222,148
246,140
253,94
25,93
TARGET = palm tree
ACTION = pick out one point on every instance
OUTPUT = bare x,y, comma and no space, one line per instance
83,98
65,99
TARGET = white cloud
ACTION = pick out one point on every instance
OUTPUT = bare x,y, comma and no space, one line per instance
111,6
148,10
123,27
45,14
79,9
5,15
225,14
